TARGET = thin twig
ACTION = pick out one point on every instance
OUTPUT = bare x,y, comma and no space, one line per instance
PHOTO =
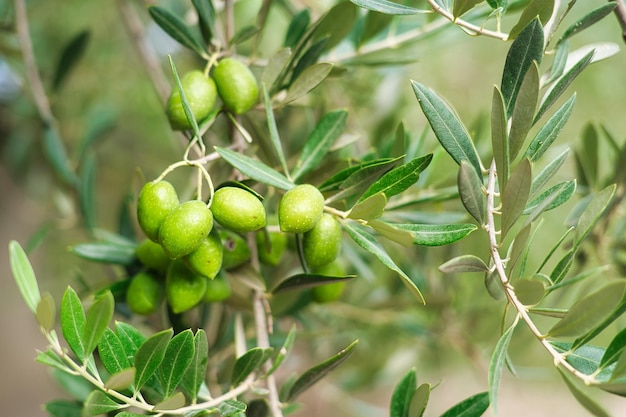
620,13
466,25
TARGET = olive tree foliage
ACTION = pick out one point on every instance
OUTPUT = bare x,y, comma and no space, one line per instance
225,356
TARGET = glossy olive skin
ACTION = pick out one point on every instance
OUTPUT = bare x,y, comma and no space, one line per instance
185,227
300,208
184,288
201,94
236,250
238,210
156,200
152,256
322,244
270,252
236,85
206,260
145,293
217,290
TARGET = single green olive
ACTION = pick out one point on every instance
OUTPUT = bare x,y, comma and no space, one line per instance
185,227
321,244
332,291
270,246
207,258
236,250
152,256
184,288
156,200
300,208
236,85
145,293
201,94
238,210
217,290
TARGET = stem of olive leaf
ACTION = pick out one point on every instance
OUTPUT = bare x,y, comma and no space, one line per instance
500,268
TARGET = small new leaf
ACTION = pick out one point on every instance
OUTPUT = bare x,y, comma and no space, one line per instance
464,263
73,322
121,380
98,317
24,275
248,363
99,403
402,395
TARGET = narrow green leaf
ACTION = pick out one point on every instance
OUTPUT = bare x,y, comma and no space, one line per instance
301,281
49,358
550,131
589,19
610,319
78,386
619,371
284,350
474,406
196,373
121,380
560,270
46,312
128,414
437,234
275,65
56,153
255,169
370,208
178,357
24,275
297,28
177,29
559,61
206,18
374,24
64,408
73,323
311,376
399,179
562,83
131,339
231,408
496,365
273,129
335,25
614,349
307,80
98,317
70,56
249,362
387,7
111,352
471,192
319,142
402,394
558,313
584,400
99,403
464,263
184,101
515,195
554,196
105,252
524,110
365,240
460,7
499,139
586,313
340,179
588,156
448,129
525,49
536,10
547,173
391,232
360,179
101,120
592,213
150,355
243,34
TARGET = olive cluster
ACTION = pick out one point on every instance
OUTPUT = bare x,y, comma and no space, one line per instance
231,80
183,245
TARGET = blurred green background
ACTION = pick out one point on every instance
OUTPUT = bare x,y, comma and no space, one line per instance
449,341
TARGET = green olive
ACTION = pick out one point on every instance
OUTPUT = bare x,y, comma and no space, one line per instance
152,256
270,247
144,294
236,250
217,290
201,94
184,288
207,258
184,228
238,210
236,85
321,244
156,200
300,208
329,292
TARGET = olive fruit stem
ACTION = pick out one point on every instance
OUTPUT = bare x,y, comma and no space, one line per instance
202,171
336,212
242,130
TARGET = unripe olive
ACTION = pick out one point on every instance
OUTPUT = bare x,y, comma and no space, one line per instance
201,94
184,288
238,210
329,292
185,227
145,293
156,200
300,208
321,245
207,258
152,256
236,85
217,290
236,250
270,247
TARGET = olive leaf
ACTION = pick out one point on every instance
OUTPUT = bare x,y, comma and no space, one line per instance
24,275
387,7
255,169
